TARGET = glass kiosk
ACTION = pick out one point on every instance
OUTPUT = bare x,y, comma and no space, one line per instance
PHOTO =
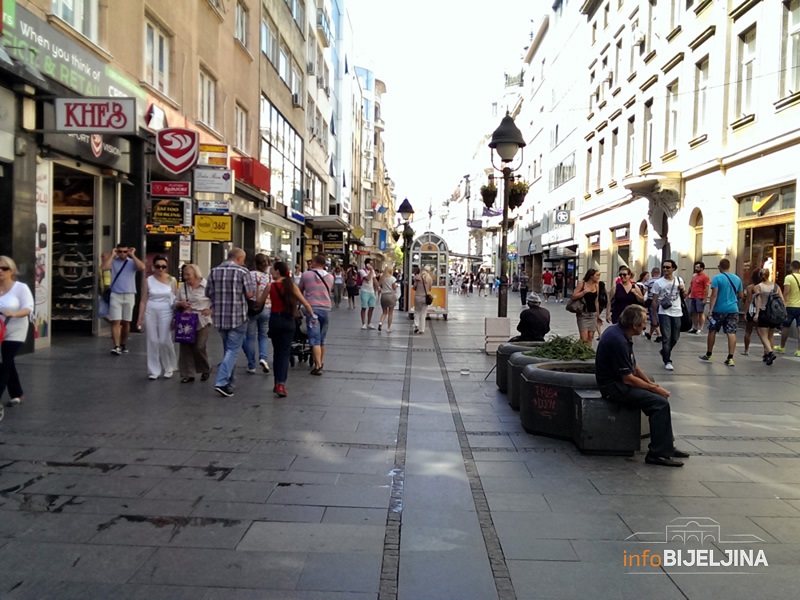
431,250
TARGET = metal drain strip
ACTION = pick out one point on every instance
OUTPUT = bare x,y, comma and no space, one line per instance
497,560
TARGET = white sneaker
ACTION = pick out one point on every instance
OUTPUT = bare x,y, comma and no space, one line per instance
669,367
14,401
167,374
152,377
363,327
370,326
251,371
264,365
389,330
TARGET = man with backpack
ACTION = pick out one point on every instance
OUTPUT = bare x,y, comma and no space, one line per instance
723,310
791,292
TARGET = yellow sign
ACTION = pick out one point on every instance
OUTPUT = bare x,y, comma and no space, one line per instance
169,229
358,232
762,202
213,228
213,155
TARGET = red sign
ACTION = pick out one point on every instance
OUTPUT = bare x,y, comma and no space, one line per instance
177,149
95,115
180,189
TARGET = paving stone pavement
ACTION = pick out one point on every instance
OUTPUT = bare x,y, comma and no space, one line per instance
391,476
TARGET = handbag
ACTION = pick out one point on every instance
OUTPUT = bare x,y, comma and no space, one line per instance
185,327
576,306
254,306
666,301
686,319
107,291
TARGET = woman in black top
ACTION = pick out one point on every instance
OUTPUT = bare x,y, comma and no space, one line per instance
588,289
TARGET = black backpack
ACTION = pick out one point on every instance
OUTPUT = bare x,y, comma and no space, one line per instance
775,311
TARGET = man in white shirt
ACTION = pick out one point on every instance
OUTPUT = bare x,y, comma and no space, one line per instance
667,293
367,294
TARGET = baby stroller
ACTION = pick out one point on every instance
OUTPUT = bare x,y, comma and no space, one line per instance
300,351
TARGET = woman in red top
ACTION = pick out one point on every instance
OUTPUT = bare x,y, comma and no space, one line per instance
284,296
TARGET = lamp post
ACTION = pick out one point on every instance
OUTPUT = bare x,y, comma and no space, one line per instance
506,141
406,212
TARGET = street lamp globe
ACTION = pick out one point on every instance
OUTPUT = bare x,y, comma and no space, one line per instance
406,210
507,139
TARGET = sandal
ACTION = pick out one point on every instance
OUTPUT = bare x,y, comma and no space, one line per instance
187,380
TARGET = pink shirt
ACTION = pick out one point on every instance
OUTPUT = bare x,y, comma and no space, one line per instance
315,291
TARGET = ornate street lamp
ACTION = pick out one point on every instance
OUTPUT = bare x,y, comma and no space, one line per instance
406,212
506,141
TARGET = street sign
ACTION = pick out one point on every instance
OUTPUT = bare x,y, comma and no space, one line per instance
178,189
218,181
212,228
176,149
96,115
562,217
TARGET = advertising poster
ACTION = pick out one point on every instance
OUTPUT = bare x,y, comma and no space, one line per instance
42,276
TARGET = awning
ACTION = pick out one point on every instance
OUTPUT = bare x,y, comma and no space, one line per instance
467,256
356,242
328,222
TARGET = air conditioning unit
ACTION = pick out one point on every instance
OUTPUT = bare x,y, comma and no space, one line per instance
296,101
310,68
320,82
327,90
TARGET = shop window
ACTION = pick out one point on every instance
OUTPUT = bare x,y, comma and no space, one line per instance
81,15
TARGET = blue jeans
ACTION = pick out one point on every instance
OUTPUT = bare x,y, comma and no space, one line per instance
654,406
318,331
281,332
257,326
670,334
232,340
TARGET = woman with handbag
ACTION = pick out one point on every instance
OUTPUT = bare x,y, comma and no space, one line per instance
16,307
388,288
193,357
626,292
588,291
422,297
155,313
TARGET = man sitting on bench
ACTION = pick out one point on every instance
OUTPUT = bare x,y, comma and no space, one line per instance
620,380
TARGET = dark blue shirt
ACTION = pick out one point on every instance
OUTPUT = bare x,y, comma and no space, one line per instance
615,357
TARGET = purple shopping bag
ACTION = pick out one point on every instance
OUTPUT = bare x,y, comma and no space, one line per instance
185,327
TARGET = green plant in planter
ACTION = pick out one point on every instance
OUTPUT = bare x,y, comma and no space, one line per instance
563,348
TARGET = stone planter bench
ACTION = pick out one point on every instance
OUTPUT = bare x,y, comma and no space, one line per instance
504,352
515,366
561,400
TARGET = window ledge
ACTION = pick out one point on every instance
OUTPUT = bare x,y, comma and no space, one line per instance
702,6
602,105
590,116
612,184
244,49
743,122
240,151
669,155
159,94
674,33
650,57
700,139
206,127
790,100
598,191
215,10
589,136
632,76
65,27
587,196
646,166
616,91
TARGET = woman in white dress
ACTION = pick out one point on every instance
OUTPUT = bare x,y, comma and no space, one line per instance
155,313
16,306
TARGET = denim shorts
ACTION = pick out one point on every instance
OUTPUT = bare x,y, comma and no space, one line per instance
695,305
317,331
727,322
792,316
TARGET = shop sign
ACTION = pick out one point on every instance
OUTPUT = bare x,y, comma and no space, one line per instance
212,228
176,149
185,248
33,41
169,229
213,207
213,155
512,256
333,241
296,216
562,217
558,234
474,223
177,189
217,181
167,212
96,115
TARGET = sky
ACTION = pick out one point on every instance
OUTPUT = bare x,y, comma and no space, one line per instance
443,63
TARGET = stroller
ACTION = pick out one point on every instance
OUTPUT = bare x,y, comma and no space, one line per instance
300,351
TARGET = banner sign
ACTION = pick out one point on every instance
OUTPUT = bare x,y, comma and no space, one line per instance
170,229
176,149
167,212
177,189
214,207
213,155
211,228
218,181
96,115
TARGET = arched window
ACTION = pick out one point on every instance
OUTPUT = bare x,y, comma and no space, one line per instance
643,255
696,233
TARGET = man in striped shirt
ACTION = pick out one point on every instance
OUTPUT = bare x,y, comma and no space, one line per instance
316,285
229,286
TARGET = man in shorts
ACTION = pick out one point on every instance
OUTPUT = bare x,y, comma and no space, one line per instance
558,279
124,266
367,294
723,310
791,292
547,284
698,292
316,284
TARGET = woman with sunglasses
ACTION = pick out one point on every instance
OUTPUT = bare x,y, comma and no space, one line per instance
626,292
155,313
16,307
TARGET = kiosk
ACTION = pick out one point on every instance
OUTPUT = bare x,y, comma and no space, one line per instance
431,250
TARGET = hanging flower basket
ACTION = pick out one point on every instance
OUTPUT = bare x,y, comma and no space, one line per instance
395,235
489,194
516,193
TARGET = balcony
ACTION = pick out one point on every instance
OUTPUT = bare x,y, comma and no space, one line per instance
379,124
324,27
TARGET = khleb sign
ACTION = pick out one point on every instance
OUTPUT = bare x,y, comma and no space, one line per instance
96,115
177,149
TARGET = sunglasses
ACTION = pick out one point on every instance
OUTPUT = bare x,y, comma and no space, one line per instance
666,267
159,266
624,275
4,269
